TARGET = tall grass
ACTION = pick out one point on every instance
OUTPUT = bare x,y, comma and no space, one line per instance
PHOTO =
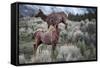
77,42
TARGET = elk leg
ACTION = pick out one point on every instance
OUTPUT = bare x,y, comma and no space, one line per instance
37,43
64,21
48,26
34,49
53,52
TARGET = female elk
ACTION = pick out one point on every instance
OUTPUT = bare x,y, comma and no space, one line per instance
49,37
53,18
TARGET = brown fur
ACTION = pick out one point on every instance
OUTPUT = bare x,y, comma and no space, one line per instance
49,37
52,35
53,18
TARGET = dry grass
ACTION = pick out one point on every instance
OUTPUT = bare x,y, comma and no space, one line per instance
74,43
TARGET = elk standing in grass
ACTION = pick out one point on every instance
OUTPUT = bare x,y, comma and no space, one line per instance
49,37
53,18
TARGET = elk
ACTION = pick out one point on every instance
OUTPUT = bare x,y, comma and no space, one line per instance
53,18
49,37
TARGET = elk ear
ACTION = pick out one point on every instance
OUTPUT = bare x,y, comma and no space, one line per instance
39,9
41,14
38,12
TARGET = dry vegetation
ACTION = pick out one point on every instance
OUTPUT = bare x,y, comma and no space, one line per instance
77,42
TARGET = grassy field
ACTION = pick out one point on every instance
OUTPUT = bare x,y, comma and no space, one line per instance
77,42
